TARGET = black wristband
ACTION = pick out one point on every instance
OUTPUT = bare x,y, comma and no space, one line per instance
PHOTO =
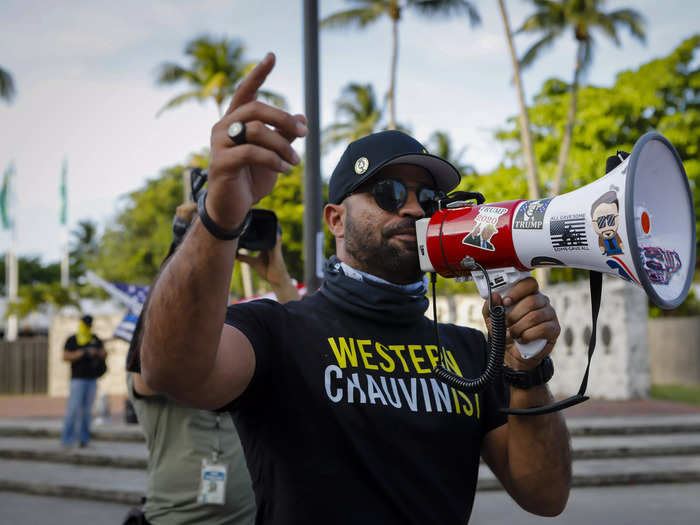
180,226
524,380
216,230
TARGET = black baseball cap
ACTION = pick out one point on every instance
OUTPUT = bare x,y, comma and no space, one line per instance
364,157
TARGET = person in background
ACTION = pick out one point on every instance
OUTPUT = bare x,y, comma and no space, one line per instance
86,355
191,451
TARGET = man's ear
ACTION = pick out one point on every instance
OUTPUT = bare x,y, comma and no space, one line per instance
334,214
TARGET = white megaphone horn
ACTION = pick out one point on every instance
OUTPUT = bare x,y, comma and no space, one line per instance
637,223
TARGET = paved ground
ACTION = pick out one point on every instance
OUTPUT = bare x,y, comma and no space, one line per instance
640,505
645,505
45,406
24,509
637,407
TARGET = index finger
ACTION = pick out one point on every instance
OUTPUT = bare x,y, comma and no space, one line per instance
248,88
527,286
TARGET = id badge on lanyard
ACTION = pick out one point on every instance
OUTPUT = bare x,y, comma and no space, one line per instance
212,482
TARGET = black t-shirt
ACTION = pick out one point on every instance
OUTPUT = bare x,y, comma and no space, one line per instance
343,421
85,367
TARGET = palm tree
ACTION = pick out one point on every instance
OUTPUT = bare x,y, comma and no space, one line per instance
551,19
525,133
7,85
369,11
360,114
440,144
215,69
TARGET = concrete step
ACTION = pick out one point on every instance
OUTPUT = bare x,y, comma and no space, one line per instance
126,486
128,454
633,425
117,485
607,472
117,430
607,451
113,430
635,446
120,454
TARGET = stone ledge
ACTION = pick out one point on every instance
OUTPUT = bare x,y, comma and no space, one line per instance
72,491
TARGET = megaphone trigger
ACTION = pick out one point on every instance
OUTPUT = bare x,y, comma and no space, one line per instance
502,280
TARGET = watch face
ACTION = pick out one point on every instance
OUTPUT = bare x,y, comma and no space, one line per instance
522,379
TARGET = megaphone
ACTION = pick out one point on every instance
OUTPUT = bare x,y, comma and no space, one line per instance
636,223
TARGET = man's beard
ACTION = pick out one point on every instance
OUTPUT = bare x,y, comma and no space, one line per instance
394,262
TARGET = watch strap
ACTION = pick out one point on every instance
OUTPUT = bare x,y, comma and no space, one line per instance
179,229
527,379
216,230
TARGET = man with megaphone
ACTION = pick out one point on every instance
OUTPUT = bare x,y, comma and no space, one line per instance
340,414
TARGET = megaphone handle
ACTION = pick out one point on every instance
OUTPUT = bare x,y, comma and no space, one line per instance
502,280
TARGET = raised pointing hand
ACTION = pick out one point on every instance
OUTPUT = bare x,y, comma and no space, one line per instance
242,174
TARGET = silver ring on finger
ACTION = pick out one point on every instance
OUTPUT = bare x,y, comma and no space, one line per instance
236,132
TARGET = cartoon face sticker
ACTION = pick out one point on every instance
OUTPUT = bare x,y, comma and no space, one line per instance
606,219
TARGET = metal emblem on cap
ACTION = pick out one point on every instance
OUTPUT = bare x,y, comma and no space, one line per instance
361,165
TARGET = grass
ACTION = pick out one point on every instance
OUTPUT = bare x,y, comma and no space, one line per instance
679,393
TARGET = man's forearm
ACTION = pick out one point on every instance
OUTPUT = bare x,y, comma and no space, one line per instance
186,312
72,355
539,454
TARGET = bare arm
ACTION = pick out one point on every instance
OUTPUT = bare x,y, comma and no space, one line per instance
187,352
98,350
72,355
531,455
269,265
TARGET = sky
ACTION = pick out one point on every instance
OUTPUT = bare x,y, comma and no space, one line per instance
86,91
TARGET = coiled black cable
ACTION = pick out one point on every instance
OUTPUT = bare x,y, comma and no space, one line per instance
497,344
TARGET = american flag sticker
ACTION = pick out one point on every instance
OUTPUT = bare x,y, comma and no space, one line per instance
568,232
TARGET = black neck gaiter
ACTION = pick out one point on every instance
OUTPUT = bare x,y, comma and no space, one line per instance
370,299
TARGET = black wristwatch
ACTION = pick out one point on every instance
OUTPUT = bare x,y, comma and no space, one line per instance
180,226
527,379
216,230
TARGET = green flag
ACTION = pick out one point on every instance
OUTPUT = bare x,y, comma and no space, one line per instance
63,191
5,196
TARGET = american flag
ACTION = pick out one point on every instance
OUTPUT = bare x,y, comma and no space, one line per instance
125,330
130,295
568,233
134,297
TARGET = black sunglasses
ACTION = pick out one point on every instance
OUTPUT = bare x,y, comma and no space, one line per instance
391,195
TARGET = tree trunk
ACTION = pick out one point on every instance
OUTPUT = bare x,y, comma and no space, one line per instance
569,127
392,85
525,135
